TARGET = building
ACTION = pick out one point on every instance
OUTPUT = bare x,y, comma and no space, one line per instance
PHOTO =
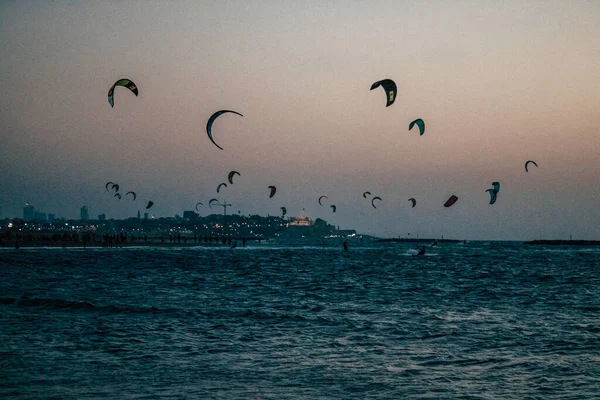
28,213
40,216
1,215
302,220
83,212
101,217
51,217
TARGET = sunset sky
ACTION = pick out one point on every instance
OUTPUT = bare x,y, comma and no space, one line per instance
497,83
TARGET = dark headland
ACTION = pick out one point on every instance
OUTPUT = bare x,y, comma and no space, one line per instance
564,242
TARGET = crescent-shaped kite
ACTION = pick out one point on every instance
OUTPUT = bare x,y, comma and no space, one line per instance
365,194
273,190
321,198
117,195
128,83
493,195
220,186
198,204
210,203
414,202
283,211
212,119
333,207
108,184
527,164
230,176
390,90
373,201
420,123
450,201
150,204
132,193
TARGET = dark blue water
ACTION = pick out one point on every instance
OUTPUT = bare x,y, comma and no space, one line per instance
474,321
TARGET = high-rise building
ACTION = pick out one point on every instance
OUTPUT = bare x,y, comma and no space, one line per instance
84,215
51,217
28,213
40,216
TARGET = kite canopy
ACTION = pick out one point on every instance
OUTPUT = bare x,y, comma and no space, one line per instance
210,203
230,176
333,207
132,193
128,83
273,190
365,194
414,202
390,90
220,186
212,119
450,202
117,195
527,164
493,195
283,211
198,204
150,204
420,123
373,201
108,184
321,198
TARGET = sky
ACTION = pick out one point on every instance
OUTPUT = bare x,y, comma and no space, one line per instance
497,84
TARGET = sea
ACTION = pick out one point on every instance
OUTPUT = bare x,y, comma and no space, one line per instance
475,320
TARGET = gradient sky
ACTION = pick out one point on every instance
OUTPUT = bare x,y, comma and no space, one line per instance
497,83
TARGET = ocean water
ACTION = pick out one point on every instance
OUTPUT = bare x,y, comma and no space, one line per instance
466,321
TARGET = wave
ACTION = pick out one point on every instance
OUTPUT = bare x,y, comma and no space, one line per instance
74,305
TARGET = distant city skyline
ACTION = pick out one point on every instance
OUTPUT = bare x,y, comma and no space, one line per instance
496,83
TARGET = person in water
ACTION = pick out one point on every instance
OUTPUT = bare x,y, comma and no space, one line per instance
422,251
345,245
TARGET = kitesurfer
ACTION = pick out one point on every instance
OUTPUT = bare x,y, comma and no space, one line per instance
345,245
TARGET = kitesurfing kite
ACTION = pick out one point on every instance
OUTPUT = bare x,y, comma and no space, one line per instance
414,202
321,198
230,176
450,201
220,186
373,201
365,194
527,164
150,204
390,90
496,186
420,123
283,211
132,193
108,184
116,187
273,189
493,195
198,204
210,203
212,119
333,207
128,83
117,195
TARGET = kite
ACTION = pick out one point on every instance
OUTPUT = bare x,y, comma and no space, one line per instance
220,186
365,194
420,123
212,119
121,82
527,165
414,202
150,204
390,90
333,207
320,198
373,201
230,176
198,204
133,193
210,203
450,201
273,189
